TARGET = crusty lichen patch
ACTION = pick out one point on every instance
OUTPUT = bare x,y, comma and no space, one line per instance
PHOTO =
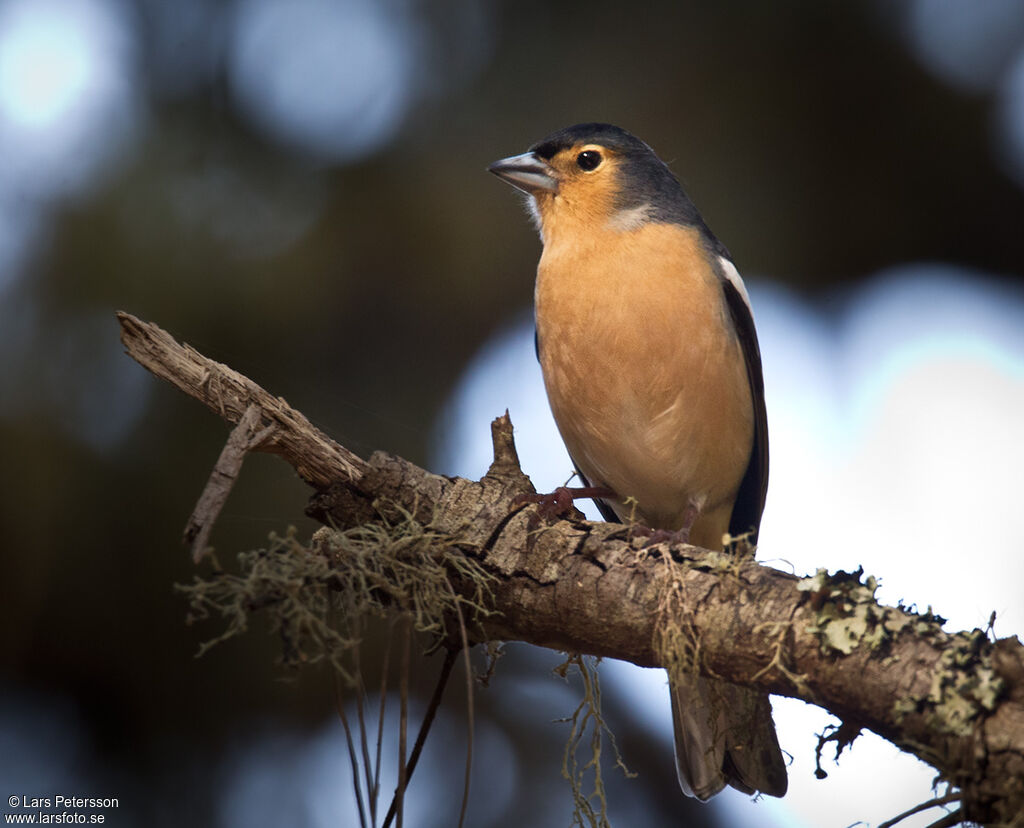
847,617
963,686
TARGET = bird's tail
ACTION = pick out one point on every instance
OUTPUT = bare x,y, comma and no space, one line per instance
725,736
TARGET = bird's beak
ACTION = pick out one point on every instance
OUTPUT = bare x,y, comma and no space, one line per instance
526,172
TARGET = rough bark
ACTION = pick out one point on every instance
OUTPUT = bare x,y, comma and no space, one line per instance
956,700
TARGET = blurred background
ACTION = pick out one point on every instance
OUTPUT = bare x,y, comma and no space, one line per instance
298,190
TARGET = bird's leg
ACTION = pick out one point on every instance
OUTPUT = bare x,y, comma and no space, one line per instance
559,502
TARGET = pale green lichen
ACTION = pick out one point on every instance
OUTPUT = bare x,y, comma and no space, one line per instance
847,614
963,685
847,617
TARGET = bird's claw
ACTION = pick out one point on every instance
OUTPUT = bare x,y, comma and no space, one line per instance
551,505
558,503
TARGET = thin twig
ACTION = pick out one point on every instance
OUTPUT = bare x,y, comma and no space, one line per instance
947,821
469,708
403,719
244,437
351,749
375,789
924,806
428,720
357,670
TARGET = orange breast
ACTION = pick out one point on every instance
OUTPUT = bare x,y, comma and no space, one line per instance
644,374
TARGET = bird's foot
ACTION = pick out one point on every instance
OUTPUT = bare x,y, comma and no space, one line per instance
559,502
670,536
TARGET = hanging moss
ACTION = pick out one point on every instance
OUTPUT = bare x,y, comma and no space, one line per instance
317,594
590,809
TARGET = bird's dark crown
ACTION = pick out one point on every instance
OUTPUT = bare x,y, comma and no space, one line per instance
605,135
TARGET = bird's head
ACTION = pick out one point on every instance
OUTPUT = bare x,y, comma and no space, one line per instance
595,177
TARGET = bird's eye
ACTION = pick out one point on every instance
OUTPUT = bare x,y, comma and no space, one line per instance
588,160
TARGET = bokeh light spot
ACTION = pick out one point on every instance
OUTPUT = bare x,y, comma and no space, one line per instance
44,68
966,43
332,79
67,94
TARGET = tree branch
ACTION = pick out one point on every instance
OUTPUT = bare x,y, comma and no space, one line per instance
956,700
317,459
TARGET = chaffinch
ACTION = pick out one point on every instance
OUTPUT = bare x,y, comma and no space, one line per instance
650,359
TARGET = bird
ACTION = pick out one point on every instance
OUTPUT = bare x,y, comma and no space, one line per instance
646,341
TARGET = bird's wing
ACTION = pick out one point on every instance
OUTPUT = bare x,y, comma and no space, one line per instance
746,513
